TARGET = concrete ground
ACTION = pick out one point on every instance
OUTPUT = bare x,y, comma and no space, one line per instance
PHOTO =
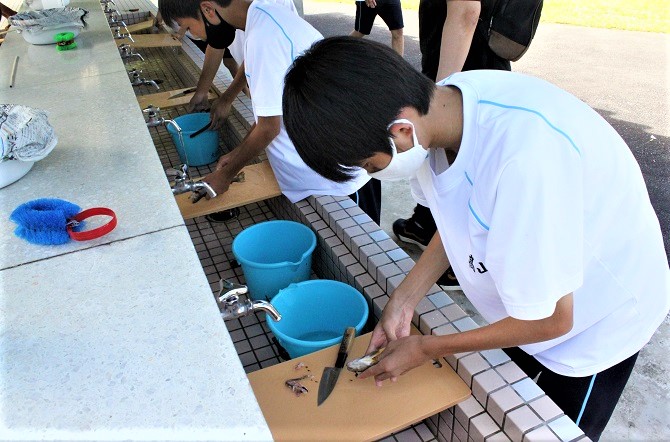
624,76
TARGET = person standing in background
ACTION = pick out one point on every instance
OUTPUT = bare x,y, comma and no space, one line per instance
390,11
452,38
6,12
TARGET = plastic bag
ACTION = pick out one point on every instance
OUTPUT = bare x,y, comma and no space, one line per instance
25,133
49,18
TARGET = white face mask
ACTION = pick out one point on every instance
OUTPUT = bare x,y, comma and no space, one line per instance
405,164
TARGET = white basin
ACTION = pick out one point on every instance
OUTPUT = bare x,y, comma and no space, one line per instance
12,170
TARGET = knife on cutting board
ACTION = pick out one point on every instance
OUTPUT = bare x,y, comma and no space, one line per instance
330,374
182,93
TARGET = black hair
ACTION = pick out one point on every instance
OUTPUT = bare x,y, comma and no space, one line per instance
339,98
171,10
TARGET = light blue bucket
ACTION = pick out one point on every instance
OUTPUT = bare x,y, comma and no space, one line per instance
274,254
315,314
199,150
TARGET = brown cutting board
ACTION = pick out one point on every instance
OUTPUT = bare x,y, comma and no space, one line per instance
163,100
259,184
356,410
150,41
141,26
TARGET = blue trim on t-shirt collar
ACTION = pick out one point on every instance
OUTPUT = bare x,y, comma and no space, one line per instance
532,111
280,27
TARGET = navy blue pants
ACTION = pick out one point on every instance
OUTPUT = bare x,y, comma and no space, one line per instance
589,401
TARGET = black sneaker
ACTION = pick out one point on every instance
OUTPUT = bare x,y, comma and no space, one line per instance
411,231
448,280
223,216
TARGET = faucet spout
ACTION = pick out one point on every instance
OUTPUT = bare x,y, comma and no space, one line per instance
267,308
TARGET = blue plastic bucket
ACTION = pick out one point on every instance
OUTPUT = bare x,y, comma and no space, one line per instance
315,314
199,150
274,254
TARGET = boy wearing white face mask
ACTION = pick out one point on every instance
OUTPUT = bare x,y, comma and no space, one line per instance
527,185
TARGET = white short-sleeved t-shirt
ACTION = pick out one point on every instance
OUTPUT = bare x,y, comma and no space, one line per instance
274,37
236,48
544,199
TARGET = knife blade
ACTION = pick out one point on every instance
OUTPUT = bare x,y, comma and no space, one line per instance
182,93
330,374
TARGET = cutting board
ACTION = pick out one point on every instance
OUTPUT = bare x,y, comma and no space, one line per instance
259,184
163,100
150,41
141,26
356,410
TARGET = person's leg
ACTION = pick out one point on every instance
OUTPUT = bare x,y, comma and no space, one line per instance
369,198
589,401
398,41
432,14
365,17
6,11
391,13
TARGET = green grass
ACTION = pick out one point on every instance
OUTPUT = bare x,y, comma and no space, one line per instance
631,15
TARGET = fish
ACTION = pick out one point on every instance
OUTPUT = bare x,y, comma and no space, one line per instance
363,363
295,385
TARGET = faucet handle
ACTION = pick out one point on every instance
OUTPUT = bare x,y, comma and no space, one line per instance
181,173
229,291
174,173
151,110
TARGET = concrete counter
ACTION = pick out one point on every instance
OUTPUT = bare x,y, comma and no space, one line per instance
116,338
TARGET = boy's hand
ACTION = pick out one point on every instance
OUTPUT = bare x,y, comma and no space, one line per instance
399,357
371,3
198,102
394,324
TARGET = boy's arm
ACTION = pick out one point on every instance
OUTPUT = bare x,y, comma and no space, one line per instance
410,352
457,33
230,164
221,107
213,58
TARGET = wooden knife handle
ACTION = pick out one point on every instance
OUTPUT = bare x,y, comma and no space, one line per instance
347,341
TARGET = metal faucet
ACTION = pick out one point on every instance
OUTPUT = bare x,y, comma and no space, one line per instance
183,182
127,51
154,116
119,36
112,21
136,80
109,10
232,306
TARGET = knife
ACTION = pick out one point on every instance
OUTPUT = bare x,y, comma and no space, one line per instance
182,93
330,374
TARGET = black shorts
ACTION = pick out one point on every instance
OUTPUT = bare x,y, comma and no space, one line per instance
389,11
590,400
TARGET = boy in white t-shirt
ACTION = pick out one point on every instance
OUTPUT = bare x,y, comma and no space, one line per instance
541,210
274,37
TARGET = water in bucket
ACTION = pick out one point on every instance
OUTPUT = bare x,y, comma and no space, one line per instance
274,254
315,314
199,150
